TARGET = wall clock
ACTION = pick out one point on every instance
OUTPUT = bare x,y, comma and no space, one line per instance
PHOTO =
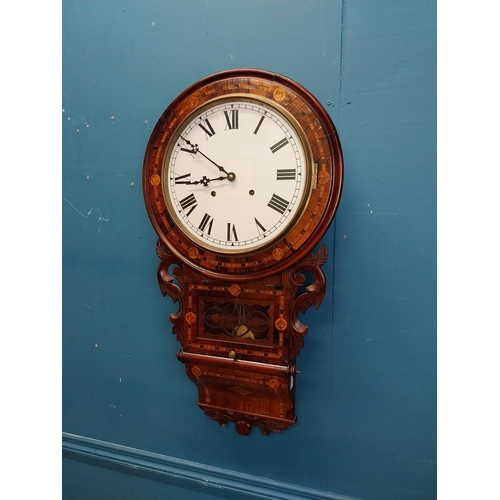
242,177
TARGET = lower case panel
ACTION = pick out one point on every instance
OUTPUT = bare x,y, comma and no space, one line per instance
174,473
228,394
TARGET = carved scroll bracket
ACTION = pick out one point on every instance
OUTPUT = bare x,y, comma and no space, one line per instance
313,295
168,286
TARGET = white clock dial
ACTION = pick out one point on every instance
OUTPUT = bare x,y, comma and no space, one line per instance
237,175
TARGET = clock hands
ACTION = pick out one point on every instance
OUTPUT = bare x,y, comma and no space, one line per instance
230,176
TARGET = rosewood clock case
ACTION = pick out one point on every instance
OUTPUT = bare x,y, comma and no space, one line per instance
237,321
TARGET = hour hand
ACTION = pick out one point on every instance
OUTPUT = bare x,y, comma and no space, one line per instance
205,180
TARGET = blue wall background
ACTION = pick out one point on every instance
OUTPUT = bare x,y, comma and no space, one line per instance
366,399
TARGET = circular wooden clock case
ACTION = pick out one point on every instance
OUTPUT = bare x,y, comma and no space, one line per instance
242,174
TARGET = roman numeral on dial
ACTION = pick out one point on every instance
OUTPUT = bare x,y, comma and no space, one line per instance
258,125
260,228
207,128
231,232
279,145
183,179
231,119
286,174
188,202
206,224
186,150
277,203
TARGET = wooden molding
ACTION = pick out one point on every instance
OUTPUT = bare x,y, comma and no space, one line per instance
188,474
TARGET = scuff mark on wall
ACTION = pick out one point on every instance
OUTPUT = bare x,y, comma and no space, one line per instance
100,216
74,208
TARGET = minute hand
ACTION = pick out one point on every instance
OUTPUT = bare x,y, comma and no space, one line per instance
196,149
222,169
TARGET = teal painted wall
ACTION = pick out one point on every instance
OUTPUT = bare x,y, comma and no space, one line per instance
366,399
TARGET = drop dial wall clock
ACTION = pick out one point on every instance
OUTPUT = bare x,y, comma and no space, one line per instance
242,177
